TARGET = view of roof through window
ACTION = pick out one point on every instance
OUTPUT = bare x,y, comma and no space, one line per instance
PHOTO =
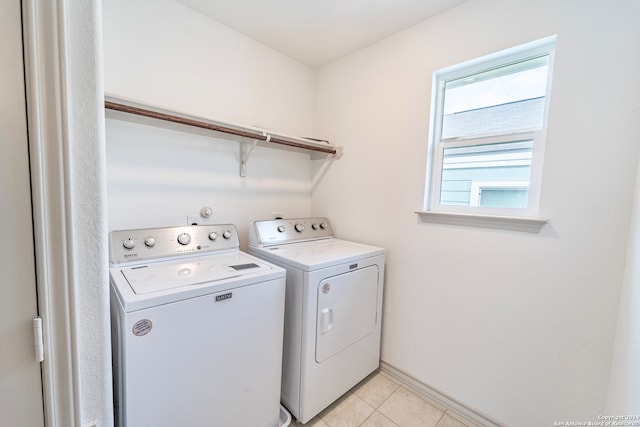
503,100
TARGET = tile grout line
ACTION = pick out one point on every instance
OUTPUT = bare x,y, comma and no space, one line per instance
460,412
445,410
441,417
398,385
426,400
381,414
342,398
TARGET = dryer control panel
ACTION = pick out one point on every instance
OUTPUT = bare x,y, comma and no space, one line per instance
127,246
289,230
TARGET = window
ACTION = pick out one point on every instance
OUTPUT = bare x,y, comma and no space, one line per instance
488,126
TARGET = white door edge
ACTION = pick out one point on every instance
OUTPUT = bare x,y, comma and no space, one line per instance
43,29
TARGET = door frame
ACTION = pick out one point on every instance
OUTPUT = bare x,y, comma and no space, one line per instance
45,31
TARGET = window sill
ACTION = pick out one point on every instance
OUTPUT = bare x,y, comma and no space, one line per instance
530,225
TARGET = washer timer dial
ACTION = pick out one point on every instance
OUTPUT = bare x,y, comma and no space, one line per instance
184,239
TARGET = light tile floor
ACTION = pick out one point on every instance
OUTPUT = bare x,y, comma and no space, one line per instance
382,401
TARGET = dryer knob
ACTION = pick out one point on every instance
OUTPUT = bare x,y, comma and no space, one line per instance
150,242
213,235
323,225
184,239
129,243
314,226
281,228
226,234
299,228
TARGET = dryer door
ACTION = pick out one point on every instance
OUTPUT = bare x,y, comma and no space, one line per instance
346,310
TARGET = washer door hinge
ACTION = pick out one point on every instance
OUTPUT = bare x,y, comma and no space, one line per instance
38,341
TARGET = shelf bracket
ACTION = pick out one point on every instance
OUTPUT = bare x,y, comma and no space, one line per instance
246,148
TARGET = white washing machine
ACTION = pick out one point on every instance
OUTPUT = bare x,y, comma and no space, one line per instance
197,329
333,309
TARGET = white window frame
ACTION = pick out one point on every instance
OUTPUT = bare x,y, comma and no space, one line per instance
434,169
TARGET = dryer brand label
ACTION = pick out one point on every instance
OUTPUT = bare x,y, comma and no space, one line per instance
142,327
352,266
223,297
326,288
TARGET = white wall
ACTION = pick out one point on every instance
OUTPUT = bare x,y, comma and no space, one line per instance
156,177
87,190
624,388
519,326
164,54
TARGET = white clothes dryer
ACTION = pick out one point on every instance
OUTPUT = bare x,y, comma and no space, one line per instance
197,329
333,309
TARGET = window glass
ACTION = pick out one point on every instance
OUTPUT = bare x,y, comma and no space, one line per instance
497,197
503,100
465,169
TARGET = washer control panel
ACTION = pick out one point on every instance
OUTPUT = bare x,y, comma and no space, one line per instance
289,230
150,243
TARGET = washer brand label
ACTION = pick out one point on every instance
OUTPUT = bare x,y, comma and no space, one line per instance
326,288
352,266
223,297
142,327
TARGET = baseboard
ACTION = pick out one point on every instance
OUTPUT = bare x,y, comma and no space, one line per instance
463,412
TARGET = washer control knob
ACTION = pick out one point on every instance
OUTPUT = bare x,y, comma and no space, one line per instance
213,235
226,234
206,212
150,242
184,239
314,226
323,225
129,243
281,228
299,228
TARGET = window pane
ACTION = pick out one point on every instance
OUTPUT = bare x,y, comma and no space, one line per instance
503,100
501,197
492,175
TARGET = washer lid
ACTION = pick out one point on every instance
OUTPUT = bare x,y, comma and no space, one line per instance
149,278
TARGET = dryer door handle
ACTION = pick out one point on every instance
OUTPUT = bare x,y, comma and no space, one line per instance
326,320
